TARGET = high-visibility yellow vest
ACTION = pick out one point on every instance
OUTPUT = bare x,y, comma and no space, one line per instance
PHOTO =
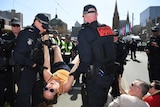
56,41
66,47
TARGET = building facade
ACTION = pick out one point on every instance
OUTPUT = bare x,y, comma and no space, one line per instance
8,15
150,14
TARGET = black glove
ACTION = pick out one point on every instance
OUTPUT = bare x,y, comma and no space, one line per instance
47,42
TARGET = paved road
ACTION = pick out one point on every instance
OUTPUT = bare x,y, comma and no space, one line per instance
136,69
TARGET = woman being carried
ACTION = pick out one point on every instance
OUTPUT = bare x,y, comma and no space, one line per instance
63,77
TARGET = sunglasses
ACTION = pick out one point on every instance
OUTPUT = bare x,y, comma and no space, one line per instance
135,85
89,12
46,89
15,25
151,86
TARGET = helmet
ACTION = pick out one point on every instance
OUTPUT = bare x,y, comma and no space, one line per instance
116,32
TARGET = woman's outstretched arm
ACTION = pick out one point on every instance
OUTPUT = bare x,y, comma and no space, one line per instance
47,66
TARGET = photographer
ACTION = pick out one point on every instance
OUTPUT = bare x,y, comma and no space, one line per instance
9,41
153,52
27,56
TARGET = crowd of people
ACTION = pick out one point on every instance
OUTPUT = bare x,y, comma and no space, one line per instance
43,66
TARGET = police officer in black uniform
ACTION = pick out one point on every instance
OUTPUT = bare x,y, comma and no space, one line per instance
2,64
9,40
133,47
153,52
28,56
121,54
97,54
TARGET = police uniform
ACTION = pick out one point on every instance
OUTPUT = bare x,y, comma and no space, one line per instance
154,56
9,41
55,39
67,48
97,53
133,47
121,54
29,51
6,73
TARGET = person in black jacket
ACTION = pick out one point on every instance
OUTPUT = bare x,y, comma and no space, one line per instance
8,48
97,54
133,47
121,54
153,52
28,56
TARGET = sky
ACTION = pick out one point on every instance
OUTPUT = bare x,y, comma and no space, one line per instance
70,11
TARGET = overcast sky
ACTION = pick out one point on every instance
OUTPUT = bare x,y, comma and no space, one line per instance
70,11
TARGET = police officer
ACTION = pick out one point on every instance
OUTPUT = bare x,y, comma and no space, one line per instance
8,48
121,54
133,47
2,63
67,48
97,53
28,56
55,39
153,52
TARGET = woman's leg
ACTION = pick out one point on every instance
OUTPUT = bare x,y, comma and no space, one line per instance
57,54
76,63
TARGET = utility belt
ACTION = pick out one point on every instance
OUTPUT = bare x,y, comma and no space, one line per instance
102,70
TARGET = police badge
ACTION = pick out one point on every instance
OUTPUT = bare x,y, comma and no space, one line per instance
30,41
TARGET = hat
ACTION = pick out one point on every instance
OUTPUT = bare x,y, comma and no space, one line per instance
15,21
154,29
116,32
55,32
87,7
43,19
68,36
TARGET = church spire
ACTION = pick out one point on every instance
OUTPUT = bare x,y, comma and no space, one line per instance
115,21
127,20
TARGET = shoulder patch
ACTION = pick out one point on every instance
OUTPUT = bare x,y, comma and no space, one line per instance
105,31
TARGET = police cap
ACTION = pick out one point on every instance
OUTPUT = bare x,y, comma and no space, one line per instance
87,7
68,36
154,29
43,19
15,21
55,32
116,32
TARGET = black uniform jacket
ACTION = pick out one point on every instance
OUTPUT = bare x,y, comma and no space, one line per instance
25,43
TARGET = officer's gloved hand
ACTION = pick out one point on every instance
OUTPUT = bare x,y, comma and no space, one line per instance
47,42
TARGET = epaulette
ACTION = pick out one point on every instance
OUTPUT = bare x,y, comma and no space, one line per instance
29,28
5,34
84,25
